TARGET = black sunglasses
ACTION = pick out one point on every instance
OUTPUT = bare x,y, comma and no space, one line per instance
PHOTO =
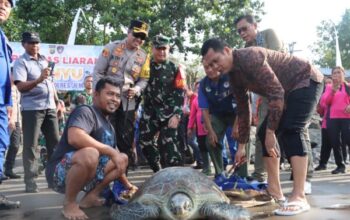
140,36
242,29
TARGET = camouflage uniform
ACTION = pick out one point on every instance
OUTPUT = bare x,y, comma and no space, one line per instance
87,100
163,99
131,67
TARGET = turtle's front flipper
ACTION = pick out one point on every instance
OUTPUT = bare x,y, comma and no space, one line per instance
134,211
223,211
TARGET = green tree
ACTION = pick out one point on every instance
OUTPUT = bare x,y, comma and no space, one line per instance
107,20
324,49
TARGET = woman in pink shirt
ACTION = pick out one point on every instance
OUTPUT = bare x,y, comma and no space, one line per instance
337,97
196,124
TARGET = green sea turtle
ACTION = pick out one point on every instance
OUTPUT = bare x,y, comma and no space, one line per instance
179,193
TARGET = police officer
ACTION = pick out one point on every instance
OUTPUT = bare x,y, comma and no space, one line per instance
5,95
126,61
163,99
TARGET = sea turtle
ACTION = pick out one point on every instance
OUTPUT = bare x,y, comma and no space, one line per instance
179,193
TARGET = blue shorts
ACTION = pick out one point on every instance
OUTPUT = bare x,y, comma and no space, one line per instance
61,170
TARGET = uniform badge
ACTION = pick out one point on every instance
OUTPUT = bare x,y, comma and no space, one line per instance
114,70
226,85
207,89
140,59
136,69
105,52
118,51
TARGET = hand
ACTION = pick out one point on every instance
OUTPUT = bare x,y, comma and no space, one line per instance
45,73
12,125
131,93
213,138
118,161
271,144
174,121
240,157
81,100
347,109
190,132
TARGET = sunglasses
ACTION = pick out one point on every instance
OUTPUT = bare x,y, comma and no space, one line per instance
242,29
140,36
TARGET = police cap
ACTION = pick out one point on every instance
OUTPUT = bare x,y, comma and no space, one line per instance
138,26
30,37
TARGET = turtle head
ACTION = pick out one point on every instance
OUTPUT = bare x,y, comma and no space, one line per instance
181,205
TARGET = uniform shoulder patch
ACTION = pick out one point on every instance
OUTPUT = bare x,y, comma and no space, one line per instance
105,52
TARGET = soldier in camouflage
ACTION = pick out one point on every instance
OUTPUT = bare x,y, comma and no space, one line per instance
163,98
126,61
84,97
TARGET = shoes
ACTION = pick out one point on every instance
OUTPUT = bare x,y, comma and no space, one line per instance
207,172
287,208
307,188
3,178
339,170
198,166
32,188
321,167
8,204
12,175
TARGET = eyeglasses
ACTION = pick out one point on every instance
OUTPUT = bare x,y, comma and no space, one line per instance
242,29
140,36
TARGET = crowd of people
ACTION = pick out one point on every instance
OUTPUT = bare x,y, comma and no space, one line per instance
90,136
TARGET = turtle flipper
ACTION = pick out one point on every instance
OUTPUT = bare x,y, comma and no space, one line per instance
134,211
223,211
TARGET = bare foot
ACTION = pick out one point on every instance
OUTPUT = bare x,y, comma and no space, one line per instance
91,200
72,211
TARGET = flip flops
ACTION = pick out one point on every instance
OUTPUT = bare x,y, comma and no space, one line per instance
299,206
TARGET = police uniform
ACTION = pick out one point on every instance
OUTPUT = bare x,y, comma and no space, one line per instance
163,98
131,67
5,95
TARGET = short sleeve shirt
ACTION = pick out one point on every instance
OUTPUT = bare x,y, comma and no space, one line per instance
41,97
89,119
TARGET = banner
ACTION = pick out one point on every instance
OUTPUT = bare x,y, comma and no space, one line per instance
73,62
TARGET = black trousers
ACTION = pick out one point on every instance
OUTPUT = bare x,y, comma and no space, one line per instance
123,124
15,140
326,147
339,132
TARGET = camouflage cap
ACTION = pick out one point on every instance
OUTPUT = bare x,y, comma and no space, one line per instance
138,26
160,41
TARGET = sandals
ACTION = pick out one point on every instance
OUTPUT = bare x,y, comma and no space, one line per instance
299,207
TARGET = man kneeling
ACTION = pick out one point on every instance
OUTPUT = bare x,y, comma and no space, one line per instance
86,157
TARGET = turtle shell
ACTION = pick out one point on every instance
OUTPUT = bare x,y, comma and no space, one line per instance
162,185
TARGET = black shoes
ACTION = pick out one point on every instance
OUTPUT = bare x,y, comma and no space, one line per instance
198,166
321,167
7,204
12,175
339,170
